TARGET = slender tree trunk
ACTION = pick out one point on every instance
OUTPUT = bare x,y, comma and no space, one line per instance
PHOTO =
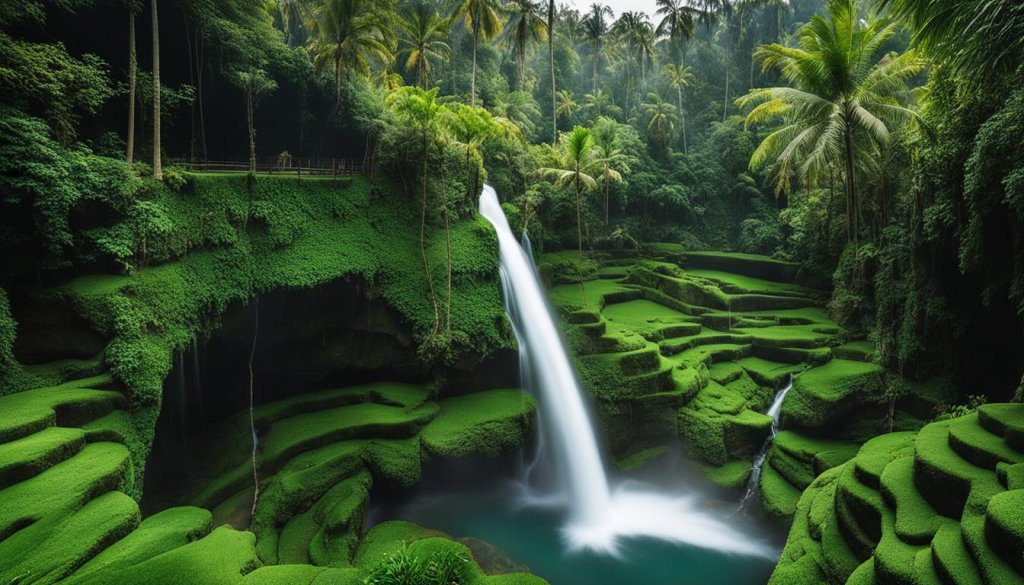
133,67
192,81
551,57
423,238
851,189
725,103
476,40
199,94
448,242
249,106
579,235
606,196
157,170
682,116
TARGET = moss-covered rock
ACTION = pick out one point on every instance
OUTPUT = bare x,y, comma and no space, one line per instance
925,508
489,423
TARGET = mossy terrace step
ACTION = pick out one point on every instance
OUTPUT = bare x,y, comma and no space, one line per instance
730,330
927,508
65,516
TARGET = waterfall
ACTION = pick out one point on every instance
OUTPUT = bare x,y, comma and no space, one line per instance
599,515
774,411
546,366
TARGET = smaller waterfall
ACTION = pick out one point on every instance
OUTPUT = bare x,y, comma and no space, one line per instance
774,411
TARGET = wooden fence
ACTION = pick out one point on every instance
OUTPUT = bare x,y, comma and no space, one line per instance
336,167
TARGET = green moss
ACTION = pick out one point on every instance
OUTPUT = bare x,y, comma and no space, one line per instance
779,497
489,423
825,395
916,521
979,446
339,518
31,455
1004,527
953,562
158,534
1006,420
570,297
69,404
50,549
731,474
386,538
224,556
302,432
98,468
303,575
863,351
397,460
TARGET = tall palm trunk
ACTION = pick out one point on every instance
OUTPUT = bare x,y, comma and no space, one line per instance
133,66
157,170
448,248
579,234
423,237
551,58
852,222
249,106
725,102
682,116
606,196
476,40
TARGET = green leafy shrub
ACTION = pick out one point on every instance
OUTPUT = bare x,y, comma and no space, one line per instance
403,567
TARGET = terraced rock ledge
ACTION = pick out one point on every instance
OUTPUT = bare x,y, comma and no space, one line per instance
692,347
943,506
64,472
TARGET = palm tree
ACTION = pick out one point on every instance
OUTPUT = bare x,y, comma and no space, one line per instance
661,120
349,35
525,26
295,16
254,84
133,68
600,104
158,172
713,11
608,153
779,5
421,36
680,77
471,126
521,108
595,31
551,61
676,23
573,165
567,105
483,18
844,96
978,38
637,34
422,109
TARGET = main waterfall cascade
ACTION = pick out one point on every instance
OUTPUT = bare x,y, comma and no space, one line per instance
600,514
774,411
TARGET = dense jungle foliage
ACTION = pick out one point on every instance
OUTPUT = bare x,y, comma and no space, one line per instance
878,144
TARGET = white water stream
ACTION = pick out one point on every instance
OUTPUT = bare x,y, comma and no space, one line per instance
774,411
600,514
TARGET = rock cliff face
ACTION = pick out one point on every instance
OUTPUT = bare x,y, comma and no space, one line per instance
337,300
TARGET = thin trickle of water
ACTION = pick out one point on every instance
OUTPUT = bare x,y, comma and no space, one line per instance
774,411
599,516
